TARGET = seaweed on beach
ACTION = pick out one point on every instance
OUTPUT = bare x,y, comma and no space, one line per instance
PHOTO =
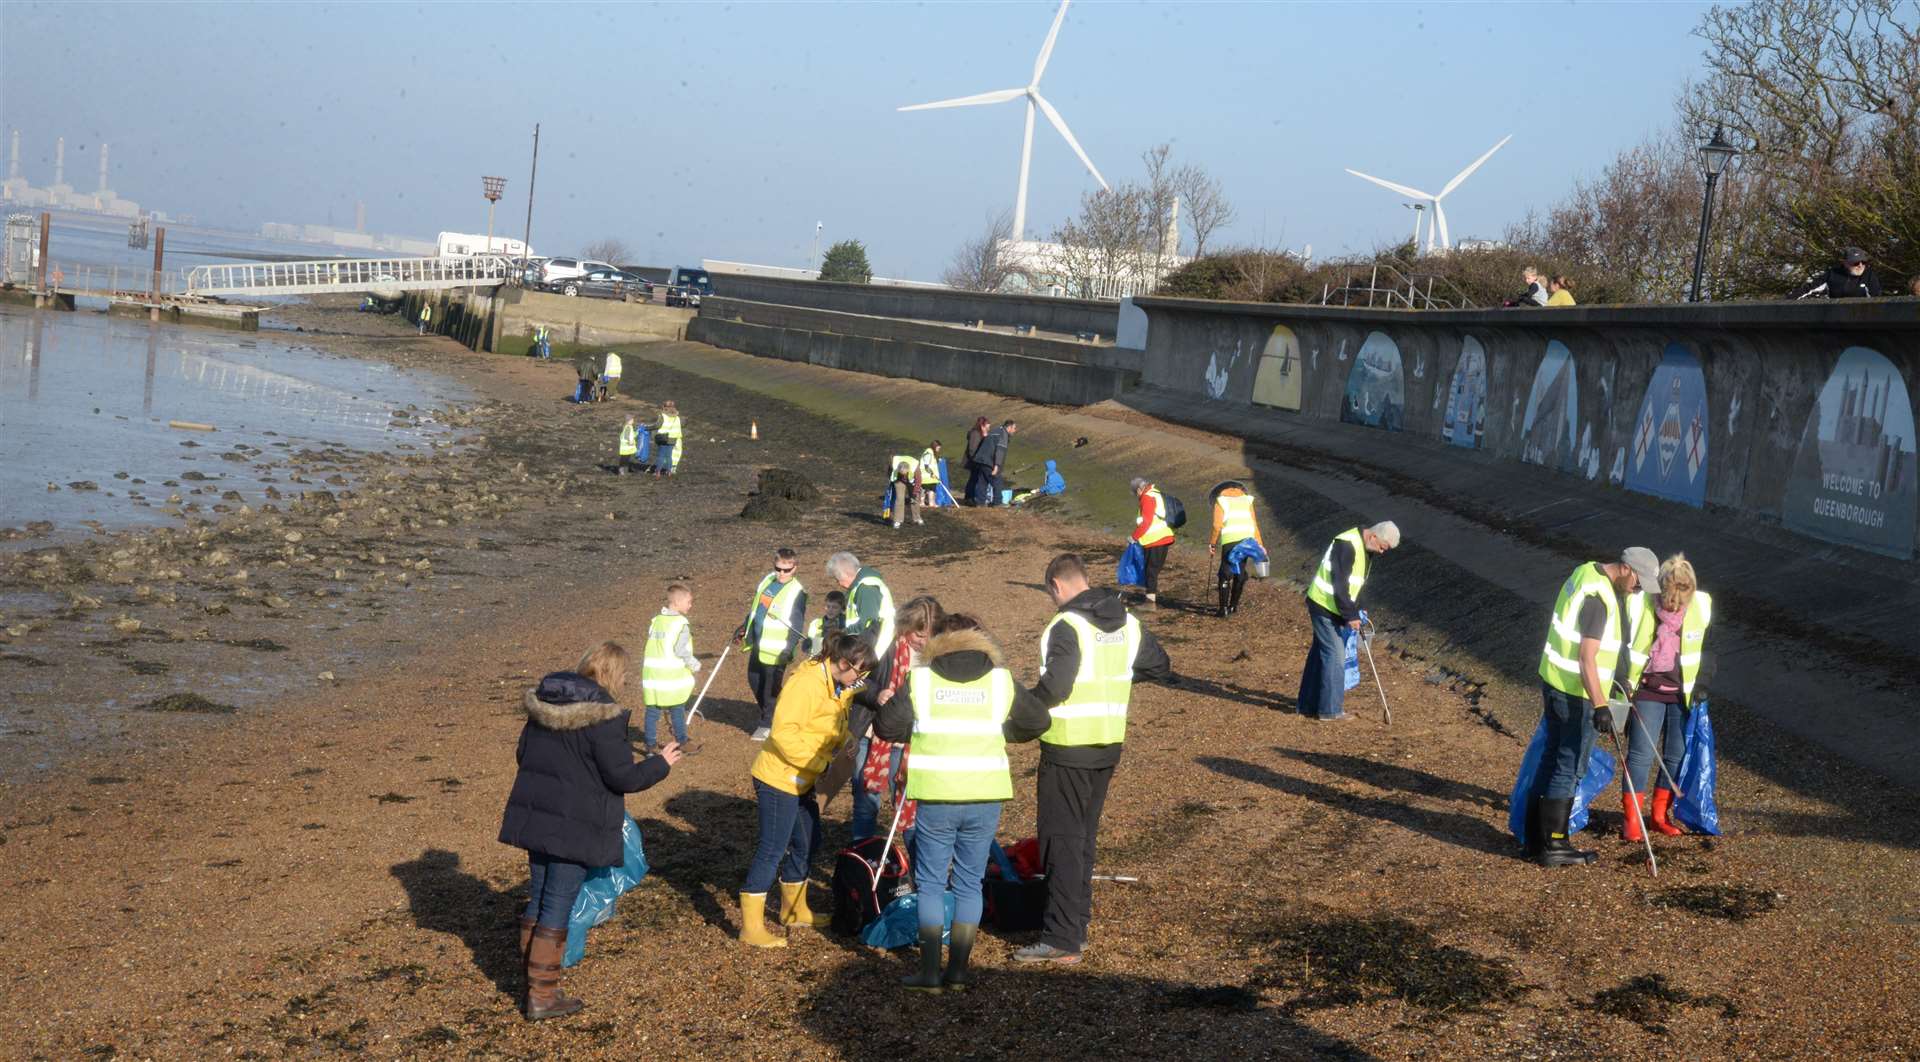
1649,1000
190,703
1735,903
1345,960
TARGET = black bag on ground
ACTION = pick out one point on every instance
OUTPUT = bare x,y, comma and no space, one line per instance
856,902
1013,905
1176,512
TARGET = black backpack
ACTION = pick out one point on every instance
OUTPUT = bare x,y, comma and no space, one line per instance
857,902
1176,513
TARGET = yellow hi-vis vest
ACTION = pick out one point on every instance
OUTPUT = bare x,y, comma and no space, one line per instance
669,426
777,623
1095,713
612,364
1236,523
1321,591
1158,529
855,620
913,466
1560,659
665,681
929,468
957,751
1693,634
629,441
426,311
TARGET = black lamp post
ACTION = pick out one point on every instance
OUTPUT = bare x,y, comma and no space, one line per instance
1714,156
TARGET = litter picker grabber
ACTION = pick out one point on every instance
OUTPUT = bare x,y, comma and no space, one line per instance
1626,779
711,675
1366,642
899,805
1634,714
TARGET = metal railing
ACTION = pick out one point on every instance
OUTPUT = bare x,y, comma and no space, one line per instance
379,275
1384,285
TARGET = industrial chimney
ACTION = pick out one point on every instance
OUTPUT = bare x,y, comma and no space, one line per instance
60,162
103,169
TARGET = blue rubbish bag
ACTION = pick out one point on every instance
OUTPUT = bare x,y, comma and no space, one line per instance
603,886
899,925
1352,639
1244,550
1599,776
1133,567
1697,810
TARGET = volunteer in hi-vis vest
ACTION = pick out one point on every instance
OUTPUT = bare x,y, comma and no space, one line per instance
667,670
771,633
1090,654
930,474
668,443
1155,537
957,712
1233,523
1333,602
1584,658
1663,671
629,444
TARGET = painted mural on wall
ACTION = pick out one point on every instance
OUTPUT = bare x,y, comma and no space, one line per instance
1376,392
1220,373
1276,382
1853,476
1553,410
1668,455
1466,421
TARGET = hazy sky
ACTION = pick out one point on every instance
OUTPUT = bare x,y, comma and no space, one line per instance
728,130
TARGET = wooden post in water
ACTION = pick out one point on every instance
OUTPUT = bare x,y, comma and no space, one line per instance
46,230
159,258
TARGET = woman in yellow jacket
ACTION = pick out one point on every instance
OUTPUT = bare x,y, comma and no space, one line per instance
809,726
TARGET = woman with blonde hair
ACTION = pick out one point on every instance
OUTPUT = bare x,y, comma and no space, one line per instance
1665,663
566,807
879,761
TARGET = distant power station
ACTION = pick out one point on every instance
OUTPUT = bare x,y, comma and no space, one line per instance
59,195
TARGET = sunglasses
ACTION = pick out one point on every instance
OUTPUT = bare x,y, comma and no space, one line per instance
781,570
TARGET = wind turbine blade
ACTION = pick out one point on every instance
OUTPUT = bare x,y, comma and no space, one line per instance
1468,172
1001,96
1389,185
1046,50
1440,215
1061,124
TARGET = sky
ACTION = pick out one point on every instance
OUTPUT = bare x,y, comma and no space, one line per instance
730,130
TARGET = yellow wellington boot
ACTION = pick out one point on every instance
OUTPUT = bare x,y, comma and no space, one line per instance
753,922
793,906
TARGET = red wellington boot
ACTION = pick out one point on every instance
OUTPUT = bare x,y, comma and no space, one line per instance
1630,829
1662,806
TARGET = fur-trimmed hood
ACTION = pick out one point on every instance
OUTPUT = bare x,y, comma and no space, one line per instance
964,655
566,701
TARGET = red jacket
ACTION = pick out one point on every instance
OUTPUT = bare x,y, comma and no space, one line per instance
1147,508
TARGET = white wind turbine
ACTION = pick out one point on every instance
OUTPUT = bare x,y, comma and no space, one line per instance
1034,99
1439,220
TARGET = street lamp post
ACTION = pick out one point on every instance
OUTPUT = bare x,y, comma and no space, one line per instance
1714,156
491,187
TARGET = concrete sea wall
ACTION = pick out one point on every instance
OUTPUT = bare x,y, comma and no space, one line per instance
890,351
1105,355
1794,413
1048,314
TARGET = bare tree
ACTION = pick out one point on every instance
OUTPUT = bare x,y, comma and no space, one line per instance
608,249
1107,240
1161,192
982,263
1204,205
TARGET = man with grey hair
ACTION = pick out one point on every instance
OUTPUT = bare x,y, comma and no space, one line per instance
1333,601
870,616
1593,621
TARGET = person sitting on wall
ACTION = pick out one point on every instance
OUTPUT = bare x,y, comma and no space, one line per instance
1536,292
1853,278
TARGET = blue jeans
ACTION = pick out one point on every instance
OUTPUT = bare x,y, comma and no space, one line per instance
662,456
1569,723
1655,721
652,724
956,835
789,832
1323,682
866,806
552,885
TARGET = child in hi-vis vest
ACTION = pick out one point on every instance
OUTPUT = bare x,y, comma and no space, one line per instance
667,670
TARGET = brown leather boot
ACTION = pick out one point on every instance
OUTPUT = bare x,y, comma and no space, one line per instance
526,939
544,998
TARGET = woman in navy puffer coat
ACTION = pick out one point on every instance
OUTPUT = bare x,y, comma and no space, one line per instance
566,808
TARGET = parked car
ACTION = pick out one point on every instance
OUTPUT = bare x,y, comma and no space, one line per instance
554,270
686,285
608,284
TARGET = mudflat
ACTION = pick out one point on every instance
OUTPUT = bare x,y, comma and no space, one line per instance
315,871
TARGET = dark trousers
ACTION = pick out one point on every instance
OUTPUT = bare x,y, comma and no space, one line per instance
1569,723
1069,801
552,885
1323,681
1231,584
979,483
764,680
1156,560
789,833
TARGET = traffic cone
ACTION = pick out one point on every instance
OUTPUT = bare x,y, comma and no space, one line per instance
753,431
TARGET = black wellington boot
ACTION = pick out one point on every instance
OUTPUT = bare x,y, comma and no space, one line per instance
1555,850
928,979
1535,835
959,950
1226,598
1239,587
